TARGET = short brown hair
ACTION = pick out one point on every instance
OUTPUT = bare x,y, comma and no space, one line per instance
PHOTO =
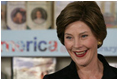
85,11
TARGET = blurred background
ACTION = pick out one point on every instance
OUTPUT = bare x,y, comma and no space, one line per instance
29,44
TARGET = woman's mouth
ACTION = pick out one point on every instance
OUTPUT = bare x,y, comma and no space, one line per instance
80,53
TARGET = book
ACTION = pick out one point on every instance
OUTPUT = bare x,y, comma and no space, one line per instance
39,14
16,15
32,67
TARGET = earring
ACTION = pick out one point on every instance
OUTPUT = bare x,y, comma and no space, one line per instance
99,43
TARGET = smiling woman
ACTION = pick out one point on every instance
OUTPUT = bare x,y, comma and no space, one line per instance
82,46
81,29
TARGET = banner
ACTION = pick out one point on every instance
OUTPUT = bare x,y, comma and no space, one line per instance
46,43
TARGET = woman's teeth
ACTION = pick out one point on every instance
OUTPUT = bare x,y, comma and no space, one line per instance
80,52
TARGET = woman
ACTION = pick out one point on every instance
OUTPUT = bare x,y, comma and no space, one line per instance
39,18
82,30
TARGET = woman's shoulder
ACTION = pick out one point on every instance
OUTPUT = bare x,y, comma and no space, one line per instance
61,74
109,72
114,69
113,72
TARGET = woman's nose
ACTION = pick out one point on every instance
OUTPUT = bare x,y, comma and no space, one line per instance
77,43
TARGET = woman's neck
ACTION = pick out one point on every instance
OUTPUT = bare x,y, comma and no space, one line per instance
94,70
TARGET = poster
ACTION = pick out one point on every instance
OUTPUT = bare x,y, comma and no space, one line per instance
3,15
32,67
109,10
39,14
58,7
16,15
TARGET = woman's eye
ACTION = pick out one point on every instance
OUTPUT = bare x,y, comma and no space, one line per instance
68,37
83,36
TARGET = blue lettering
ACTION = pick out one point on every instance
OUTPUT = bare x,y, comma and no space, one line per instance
35,43
39,45
28,44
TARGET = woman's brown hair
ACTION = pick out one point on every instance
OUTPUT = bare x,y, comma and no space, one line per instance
85,11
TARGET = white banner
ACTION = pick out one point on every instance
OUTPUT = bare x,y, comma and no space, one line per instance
46,43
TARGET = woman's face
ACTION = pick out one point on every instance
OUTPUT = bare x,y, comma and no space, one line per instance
19,15
38,14
80,43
